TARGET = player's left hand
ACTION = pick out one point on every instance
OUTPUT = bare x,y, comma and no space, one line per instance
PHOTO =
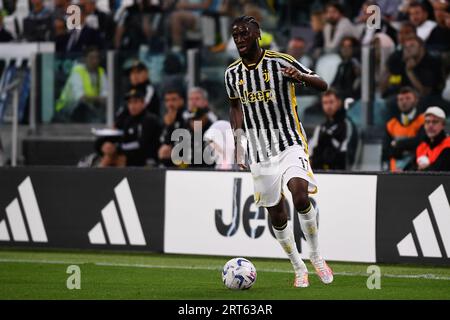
292,73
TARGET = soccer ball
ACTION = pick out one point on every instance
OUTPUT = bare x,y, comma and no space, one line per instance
239,274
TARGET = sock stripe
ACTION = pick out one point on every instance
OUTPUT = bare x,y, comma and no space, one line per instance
307,209
280,228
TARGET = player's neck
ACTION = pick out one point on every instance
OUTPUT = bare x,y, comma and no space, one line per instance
253,57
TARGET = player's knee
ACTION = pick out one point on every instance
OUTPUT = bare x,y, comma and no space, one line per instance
301,201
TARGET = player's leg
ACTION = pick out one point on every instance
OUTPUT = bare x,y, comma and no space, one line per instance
308,222
285,236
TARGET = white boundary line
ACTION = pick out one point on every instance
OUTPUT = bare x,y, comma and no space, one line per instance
153,266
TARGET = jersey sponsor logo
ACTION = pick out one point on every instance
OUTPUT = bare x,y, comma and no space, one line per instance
258,96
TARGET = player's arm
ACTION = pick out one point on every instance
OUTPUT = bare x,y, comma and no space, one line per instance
311,80
237,121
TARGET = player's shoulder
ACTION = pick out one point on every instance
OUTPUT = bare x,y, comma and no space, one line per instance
280,55
234,64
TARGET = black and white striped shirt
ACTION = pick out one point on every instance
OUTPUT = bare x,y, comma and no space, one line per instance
268,103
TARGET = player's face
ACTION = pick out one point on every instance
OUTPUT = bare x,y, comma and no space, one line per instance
245,37
433,126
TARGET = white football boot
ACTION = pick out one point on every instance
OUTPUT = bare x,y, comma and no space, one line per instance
301,279
322,269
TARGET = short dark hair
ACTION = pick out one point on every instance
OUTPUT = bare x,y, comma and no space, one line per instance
174,91
417,39
408,89
90,49
337,6
246,20
418,4
331,92
409,25
353,40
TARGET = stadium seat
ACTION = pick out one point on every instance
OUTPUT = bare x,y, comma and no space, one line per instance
327,66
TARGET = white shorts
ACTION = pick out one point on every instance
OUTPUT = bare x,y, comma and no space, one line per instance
270,176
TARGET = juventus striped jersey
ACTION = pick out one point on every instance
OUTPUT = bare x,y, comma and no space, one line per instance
268,103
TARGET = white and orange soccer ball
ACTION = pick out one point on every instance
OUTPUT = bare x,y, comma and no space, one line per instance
239,274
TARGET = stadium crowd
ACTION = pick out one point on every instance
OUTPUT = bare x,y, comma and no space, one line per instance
411,71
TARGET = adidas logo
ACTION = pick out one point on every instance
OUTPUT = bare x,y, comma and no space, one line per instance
424,230
17,221
113,222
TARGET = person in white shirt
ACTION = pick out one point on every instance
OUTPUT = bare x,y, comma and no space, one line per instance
337,27
418,16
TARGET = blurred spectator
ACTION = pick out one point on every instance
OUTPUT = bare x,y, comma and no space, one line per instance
407,30
60,8
403,133
366,35
433,154
201,154
141,130
337,27
140,79
347,81
317,21
198,99
417,68
174,75
137,24
334,142
60,35
100,21
5,35
83,38
186,16
297,49
173,119
439,39
267,40
83,98
418,16
220,139
388,8
37,25
384,47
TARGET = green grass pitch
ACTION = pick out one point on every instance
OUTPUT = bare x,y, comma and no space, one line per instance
42,275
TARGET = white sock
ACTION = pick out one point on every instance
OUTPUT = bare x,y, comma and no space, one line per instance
308,223
286,238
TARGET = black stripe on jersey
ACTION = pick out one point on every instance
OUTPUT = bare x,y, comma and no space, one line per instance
289,108
249,128
259,107
275,107
280,105
274,138
253,117
229,82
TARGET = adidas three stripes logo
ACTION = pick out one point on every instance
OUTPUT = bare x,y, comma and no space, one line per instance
425,232
18,222
113,222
